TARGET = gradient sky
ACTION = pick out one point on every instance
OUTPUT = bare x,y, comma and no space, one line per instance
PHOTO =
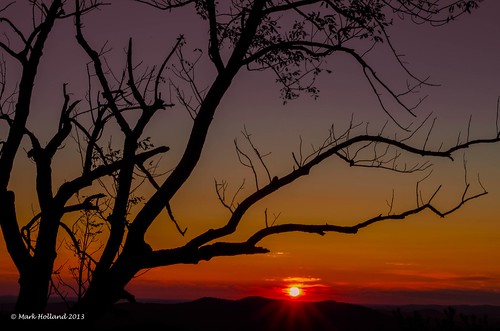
423,259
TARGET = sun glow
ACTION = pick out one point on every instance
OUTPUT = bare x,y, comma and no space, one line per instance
294,291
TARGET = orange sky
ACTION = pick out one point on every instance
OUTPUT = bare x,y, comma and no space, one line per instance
423,259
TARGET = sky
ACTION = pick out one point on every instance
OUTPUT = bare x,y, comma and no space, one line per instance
423,259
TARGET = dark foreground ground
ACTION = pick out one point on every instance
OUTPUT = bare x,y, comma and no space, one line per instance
261,314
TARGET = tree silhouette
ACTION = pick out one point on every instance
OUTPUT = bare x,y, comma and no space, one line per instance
291,39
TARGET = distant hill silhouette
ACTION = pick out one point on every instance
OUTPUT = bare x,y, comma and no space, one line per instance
249,314
262,314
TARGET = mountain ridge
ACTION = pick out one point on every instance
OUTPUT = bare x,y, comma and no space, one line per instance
255,313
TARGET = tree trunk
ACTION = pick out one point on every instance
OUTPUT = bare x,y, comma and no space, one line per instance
33,292
107,287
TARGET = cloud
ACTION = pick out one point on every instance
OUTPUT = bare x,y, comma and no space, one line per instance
401,264
437,275
275,255
420,274
301,279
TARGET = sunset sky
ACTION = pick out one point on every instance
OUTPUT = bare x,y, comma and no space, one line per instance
423,259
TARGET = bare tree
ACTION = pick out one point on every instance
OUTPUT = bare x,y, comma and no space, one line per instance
291,39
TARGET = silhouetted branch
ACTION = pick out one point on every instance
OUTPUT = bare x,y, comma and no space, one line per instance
221,188
275,218
71,187
87,204
186,73
7,6
192,254
76,243
166,4
213,50
260,156
304,170
94,56
179,42
323,229
247,162
167,204
428,11
86,6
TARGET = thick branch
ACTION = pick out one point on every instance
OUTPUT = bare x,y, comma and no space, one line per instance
186,256
69,188
30,67
64,125
304,170
11,232
191,255
213,50
323,229
199,130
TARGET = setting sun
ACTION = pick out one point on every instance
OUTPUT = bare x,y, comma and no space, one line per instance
294,291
